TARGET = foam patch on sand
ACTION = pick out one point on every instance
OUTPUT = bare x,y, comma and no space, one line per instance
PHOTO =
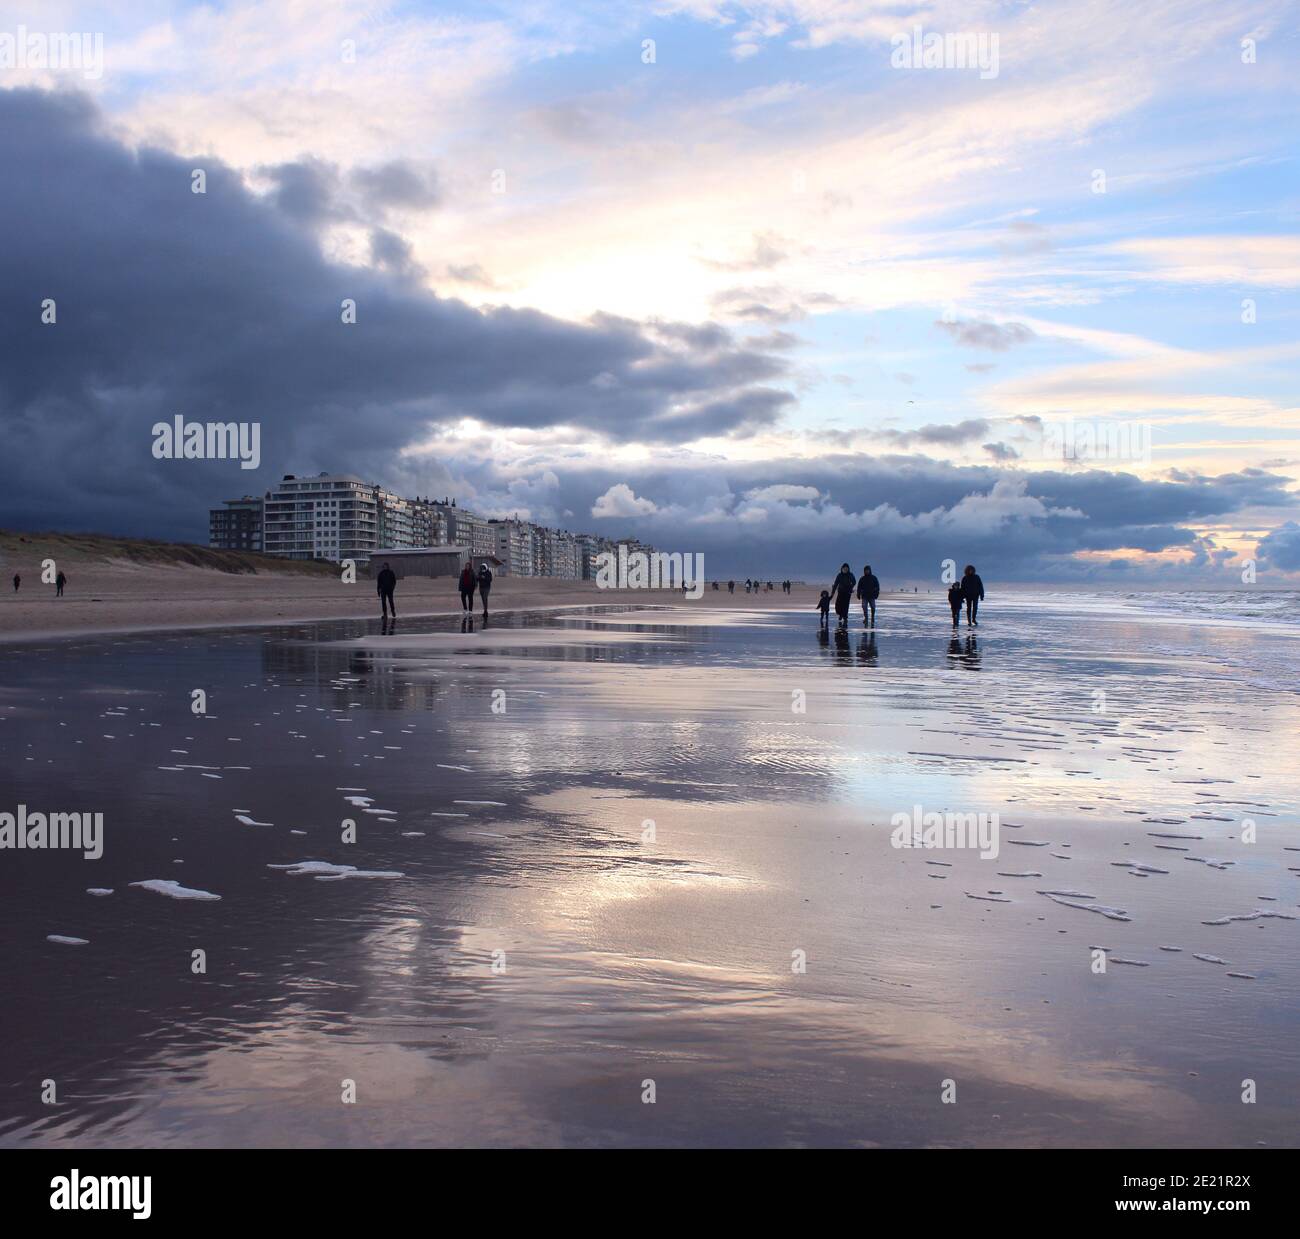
173,889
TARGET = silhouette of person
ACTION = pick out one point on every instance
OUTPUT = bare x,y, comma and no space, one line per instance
868,592
385,583
731,587
842,588
17,582
954,602
59,582
467,587
972,590
484,585
824,606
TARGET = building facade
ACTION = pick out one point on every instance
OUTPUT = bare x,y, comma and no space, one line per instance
339,516
236,525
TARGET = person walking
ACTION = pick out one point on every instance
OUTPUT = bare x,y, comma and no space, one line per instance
385,583
954,602
842,589
868,592
17,582
59,582
467,586
731,587
484,585
972,590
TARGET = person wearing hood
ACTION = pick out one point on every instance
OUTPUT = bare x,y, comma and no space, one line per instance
842,590
868,592
972,590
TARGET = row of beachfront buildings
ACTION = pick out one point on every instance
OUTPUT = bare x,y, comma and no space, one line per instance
338,516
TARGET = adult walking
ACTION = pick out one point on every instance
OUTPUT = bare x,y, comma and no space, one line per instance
385,583
468,584
842,592
17,582
59,582
868,592
484,585
972,590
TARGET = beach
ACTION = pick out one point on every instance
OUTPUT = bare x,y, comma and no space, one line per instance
629,873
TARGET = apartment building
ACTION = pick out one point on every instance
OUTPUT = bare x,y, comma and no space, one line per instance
330,516
339,516
514,546
236,525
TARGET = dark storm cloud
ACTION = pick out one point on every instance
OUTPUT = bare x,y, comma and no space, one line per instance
220,307
975,333
941,435
397,183
903,514
1281,548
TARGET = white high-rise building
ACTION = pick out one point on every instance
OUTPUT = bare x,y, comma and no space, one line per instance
330,516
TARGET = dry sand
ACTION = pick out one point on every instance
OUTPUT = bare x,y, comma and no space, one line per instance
118,595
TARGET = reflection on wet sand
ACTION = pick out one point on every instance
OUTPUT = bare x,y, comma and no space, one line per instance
590,849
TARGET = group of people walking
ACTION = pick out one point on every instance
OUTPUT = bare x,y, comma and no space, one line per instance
753,586
967,592
469,581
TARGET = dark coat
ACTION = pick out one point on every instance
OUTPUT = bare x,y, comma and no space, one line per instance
386,581
972,587
869,587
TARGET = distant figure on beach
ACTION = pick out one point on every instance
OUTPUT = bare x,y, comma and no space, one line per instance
747,584
17,582
59,582
868,592
484,585
954,602
467,584
385,583
731,587
842,588
972,589
824,606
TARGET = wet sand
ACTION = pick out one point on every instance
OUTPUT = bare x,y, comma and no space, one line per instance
596,850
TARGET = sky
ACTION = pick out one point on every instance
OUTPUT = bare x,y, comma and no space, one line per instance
738,279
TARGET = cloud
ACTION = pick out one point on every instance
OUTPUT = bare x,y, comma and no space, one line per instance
973,333
222,306
619,501
1281,548
766,252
